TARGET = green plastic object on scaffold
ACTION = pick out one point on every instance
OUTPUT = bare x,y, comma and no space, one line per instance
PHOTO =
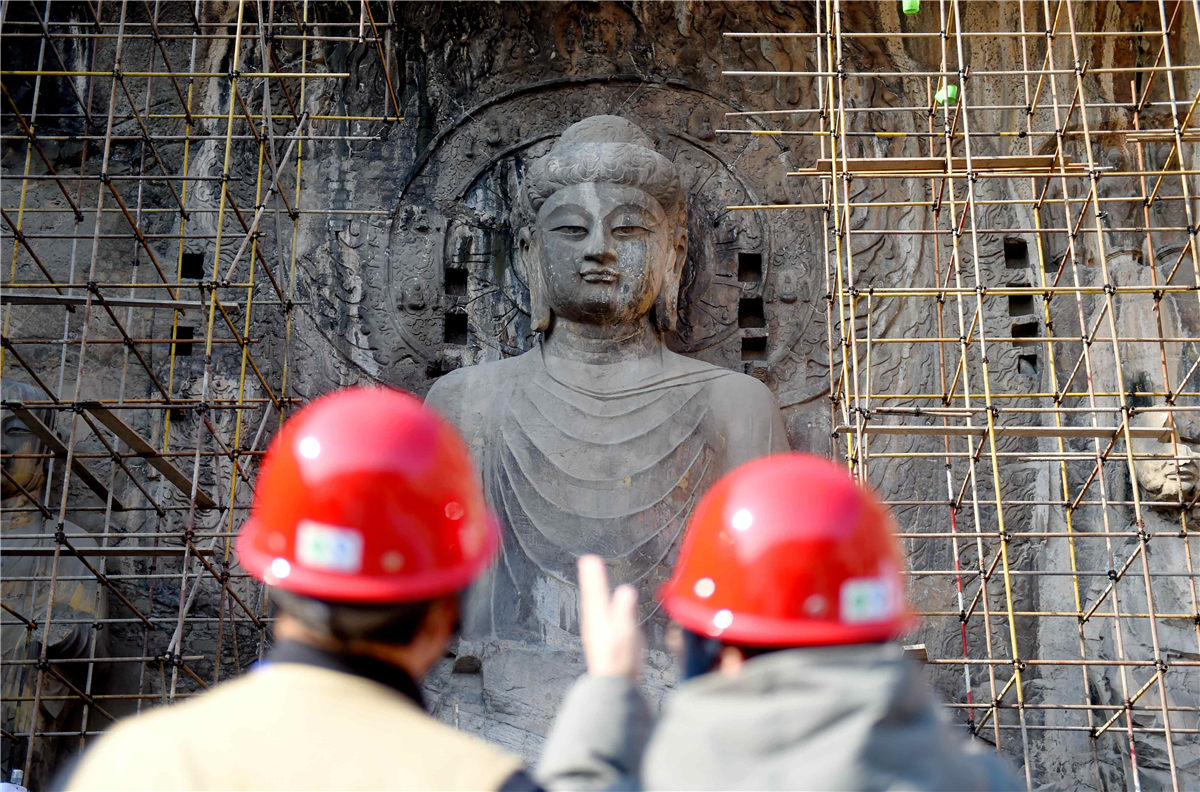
946,95
910,7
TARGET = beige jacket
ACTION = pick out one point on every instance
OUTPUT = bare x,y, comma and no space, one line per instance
291,726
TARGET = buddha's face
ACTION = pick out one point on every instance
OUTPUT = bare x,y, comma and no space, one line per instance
17,439
1169,470
604,250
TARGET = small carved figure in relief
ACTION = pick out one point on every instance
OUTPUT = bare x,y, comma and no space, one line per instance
599,439
25,586
1168,470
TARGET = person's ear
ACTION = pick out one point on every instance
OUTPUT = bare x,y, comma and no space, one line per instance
530,253
666,305
442,619
430,642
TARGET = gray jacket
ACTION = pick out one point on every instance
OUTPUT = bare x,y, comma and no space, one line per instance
829,718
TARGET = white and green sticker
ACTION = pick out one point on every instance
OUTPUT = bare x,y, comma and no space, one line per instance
329,547
867,600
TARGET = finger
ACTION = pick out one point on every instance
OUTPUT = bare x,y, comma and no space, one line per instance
593,591
622,611
624,604
627,637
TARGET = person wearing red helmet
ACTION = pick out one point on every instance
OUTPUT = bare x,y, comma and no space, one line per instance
368,521
789,595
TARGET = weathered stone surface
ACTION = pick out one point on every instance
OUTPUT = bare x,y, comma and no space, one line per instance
432,284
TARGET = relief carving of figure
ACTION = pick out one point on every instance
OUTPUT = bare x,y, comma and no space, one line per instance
1168,470
599,439
79,601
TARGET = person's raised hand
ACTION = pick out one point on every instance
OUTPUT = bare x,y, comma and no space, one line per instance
612,642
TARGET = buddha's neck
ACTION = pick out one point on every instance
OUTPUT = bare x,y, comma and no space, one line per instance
588,343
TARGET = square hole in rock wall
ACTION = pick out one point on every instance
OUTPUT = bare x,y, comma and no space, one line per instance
192,266
1016,253
455,330
750,312
1021,304
456,282
1023,330
184,343
754,348
750,268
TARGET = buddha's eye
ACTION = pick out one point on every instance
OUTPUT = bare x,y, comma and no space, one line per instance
573,231
15,428
630,231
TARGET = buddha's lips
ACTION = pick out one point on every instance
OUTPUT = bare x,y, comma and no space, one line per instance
1186,474
599,276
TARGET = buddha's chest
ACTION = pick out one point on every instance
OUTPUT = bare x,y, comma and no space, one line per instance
616,474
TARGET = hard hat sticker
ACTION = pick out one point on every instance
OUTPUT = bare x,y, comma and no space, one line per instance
867,600
329,547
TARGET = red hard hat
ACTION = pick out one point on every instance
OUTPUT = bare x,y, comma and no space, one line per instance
366,496
789,550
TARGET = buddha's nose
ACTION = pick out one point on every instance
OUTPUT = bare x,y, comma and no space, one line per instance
599,247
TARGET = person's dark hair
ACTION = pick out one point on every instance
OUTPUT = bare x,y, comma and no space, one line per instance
701,653
394,623
754,651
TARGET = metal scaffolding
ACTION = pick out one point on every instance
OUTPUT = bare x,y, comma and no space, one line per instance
1030,362
965,137
153,194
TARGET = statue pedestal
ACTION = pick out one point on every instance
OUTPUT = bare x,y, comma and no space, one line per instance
509,692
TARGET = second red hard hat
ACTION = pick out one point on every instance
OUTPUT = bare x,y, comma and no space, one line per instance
367,496
789,550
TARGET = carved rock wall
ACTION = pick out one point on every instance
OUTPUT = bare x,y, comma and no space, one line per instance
412,273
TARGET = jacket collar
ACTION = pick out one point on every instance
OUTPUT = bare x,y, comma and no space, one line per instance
370,668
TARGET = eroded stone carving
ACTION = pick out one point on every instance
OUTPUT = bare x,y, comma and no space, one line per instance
1168,470
78,600
599,439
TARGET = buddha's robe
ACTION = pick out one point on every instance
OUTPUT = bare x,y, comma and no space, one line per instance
79,602
583,458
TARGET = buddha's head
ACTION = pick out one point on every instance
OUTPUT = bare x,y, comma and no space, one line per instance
607,236
1168,469
18,442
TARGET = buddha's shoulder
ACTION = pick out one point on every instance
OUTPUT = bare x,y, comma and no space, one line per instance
480,381
489,372
722,383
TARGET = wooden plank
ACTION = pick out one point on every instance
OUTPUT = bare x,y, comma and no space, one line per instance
1188,136
74,300
59,449
935,165
143,449
1162,434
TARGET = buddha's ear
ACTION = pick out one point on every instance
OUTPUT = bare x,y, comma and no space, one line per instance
666,305
530,252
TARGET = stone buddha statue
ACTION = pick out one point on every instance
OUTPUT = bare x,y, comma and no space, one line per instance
599,439
1168,471
79,601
